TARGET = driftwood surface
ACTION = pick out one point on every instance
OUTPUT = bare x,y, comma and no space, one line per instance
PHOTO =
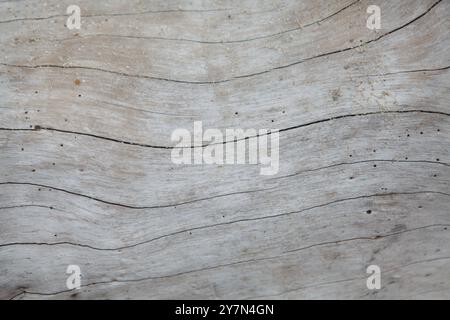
86,176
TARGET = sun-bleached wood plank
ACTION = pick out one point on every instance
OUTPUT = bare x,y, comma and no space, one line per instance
86,176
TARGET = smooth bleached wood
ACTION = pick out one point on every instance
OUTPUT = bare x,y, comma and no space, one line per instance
86,176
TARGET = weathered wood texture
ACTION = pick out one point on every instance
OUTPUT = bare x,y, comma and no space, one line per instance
85,170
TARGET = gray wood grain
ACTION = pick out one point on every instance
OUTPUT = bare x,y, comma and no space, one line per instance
86,176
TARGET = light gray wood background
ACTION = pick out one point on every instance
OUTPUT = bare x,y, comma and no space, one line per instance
85,172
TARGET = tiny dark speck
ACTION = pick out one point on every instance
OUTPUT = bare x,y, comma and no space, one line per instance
369,211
